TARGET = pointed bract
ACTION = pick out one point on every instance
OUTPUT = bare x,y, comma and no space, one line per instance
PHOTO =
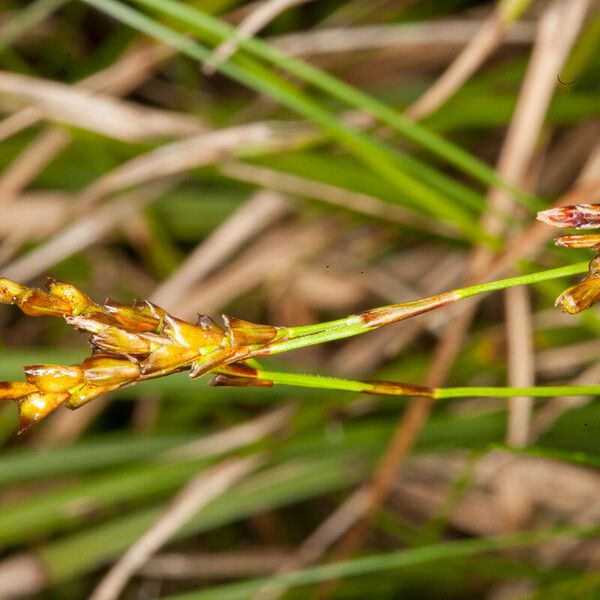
36,406
105,369
583,240
78,302
222,380
133,319
53,378
244,333
580,296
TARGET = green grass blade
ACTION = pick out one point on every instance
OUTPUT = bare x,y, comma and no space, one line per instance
381,563
375,154
216,31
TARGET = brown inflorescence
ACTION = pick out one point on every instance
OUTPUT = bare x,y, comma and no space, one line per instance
581,216
143,341
130,344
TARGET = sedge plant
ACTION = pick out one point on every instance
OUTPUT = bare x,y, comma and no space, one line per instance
139,342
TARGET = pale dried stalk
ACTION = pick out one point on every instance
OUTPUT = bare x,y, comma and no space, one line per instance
197,151
255,215
119,78
337,196
171,159
97,112
521,364
215,565
410,36
269,257
84,232
253,22
30,162
483,43
137,64
234,437
189,501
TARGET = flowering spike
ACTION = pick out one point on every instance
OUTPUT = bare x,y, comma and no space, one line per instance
189,336
149,309
32,302
580,296
579,216
86,392
118,341
11,292
167,359
86,324
585,240
37,303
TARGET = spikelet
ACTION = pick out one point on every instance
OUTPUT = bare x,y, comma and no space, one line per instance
130,344
586,293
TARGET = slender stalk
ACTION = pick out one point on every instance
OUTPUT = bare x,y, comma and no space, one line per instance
500,284
309,335
547,391
390,388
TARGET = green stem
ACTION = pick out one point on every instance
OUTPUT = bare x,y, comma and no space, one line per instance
491,286
391,388
546,391
309,335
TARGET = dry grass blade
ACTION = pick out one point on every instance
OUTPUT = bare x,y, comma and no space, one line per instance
26,117
253,22
270,257
84,232
167,160
192,498
37,214
521,367
258,213
350,200
198,151
413,37
215,565
96,112
269,218
482,44
317,543
29,163
138,63
235,437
